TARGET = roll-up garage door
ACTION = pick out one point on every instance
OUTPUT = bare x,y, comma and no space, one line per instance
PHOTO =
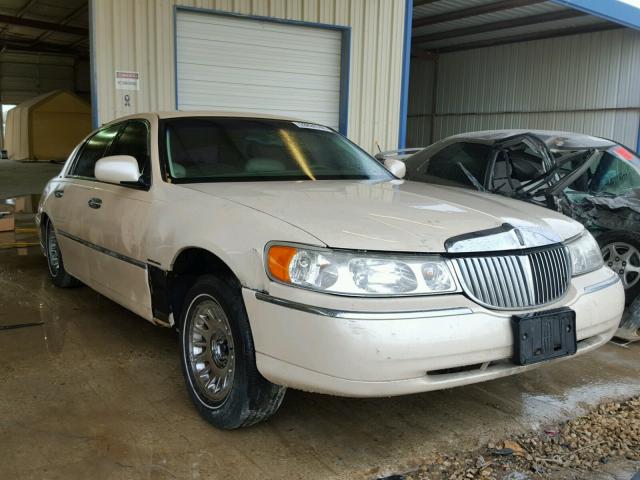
237,64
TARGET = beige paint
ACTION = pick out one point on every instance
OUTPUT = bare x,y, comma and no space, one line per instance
369,356
47,127
139,36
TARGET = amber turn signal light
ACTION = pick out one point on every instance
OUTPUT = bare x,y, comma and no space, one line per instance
280,257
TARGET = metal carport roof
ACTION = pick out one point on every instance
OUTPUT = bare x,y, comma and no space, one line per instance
451,25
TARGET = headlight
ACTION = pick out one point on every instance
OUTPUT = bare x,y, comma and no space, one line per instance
585,254
354,273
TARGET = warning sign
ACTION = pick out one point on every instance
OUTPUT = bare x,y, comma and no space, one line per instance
127,80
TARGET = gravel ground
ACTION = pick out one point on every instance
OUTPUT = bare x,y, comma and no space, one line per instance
587,447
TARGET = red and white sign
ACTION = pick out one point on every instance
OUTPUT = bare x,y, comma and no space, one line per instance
127,80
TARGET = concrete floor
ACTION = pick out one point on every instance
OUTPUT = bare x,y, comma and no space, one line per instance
96,392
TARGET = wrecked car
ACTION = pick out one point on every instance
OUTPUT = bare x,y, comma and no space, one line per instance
593,180
286,256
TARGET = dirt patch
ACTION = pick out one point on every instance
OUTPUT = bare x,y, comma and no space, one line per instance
579,448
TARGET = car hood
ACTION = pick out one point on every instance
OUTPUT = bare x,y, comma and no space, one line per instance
389,216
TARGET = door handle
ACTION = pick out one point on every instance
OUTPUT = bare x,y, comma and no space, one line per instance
95,203
58,193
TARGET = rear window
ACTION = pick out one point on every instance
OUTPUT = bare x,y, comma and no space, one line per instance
214,149
453,165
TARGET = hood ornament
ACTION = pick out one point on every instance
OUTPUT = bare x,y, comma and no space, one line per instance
504,237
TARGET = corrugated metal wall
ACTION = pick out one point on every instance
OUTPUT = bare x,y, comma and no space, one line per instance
421,92
139,36
26,75
585,83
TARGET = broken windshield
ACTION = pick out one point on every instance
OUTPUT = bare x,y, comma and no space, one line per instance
616,171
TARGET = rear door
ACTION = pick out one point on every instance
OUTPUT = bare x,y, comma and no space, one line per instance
119,224
70,204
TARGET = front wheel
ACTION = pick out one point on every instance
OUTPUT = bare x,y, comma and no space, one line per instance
621,253
218,358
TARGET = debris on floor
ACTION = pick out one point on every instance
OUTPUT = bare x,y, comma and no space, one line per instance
575,449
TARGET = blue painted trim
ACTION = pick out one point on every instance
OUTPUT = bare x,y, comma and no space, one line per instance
406,66
638,141
92,66
612,10
345,57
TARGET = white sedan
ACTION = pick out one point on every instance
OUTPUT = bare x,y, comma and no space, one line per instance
288,257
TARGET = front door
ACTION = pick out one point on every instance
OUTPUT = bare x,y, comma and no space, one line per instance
118,222
70,204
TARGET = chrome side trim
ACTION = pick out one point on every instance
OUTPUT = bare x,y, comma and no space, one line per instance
100,249
351,315
596,287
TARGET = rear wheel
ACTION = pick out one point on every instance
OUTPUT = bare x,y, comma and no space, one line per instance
621,253
59,276
218,358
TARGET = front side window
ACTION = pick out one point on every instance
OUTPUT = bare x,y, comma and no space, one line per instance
93,150
461,164
134,141
214,149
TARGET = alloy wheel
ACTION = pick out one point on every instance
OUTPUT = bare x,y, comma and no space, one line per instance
624,259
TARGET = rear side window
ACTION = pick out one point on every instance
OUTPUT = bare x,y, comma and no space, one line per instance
134,141
453,165
93,150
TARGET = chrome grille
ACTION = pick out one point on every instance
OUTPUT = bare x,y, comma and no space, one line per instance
516,281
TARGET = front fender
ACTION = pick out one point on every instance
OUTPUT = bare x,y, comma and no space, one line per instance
236,234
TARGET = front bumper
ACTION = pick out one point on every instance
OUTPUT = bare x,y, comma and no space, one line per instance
381,347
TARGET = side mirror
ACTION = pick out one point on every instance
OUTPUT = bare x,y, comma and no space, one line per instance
117,169
397,167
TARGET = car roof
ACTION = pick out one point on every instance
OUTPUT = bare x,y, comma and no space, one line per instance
204,113
218,113
554,139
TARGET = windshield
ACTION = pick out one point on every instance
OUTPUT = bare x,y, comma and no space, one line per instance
616,172
216,149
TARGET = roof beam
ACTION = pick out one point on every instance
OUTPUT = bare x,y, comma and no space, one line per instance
473,11
499,25
21,12
526,37
47,26
64,21
42,48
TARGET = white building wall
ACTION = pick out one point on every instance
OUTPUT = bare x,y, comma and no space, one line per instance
138,35
587,83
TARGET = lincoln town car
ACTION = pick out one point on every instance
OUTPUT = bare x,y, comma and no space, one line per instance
285,256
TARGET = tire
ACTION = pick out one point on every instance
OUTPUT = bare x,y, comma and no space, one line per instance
59,276
621,252
225,386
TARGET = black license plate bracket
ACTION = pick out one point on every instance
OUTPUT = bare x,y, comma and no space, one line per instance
545,335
